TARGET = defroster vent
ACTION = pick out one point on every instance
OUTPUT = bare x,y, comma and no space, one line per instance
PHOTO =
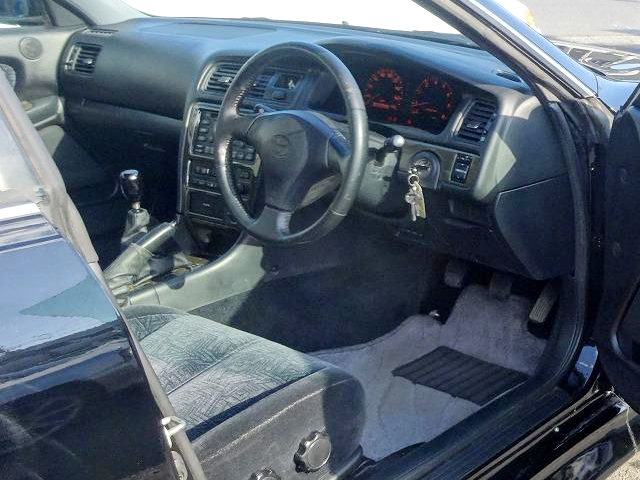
477,121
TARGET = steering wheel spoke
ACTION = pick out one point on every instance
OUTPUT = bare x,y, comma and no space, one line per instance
339,153
273,224
238,125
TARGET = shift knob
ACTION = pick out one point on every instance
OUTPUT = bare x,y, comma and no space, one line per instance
131,187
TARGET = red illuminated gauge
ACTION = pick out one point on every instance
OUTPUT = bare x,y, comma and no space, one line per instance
432,105
383,95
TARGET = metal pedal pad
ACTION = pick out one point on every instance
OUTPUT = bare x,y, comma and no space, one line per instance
500,286
455,273
544,304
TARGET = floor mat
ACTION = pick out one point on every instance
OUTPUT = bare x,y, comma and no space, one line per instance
460,375
402,413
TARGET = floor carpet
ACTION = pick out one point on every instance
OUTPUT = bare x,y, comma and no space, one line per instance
401,411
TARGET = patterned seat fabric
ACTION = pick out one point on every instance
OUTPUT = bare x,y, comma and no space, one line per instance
210,371
249,402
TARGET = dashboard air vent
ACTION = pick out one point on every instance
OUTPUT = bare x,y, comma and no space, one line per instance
477,121
260,86
83,57
221,77
224,73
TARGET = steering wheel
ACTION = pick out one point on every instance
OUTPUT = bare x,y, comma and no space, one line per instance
304,156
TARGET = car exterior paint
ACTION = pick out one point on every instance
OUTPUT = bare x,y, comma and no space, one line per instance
74,401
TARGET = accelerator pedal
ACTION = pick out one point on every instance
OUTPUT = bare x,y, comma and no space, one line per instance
544,304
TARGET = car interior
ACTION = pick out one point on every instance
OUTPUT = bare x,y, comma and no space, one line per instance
338,249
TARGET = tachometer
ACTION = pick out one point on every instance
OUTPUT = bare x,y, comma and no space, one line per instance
383,94
432,105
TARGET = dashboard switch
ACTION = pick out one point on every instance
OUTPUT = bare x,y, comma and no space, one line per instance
461,167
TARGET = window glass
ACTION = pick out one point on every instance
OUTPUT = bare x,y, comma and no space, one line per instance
19,13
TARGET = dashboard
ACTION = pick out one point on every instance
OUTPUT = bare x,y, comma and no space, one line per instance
495,185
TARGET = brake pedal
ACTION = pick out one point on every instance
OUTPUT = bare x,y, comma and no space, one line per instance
544,304
500,285
455,273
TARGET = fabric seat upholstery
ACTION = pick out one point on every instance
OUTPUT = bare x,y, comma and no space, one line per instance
234,388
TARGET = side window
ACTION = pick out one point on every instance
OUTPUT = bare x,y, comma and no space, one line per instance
22,13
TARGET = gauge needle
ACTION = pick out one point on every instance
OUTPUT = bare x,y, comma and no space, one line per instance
422,104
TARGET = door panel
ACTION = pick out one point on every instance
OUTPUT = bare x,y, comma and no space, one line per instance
34,54
618,325
90,180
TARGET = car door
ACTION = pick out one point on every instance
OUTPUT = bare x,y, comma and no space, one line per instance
33,37
617,328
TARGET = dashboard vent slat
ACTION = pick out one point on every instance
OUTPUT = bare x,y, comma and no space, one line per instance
477,121
260,86
83,57
221,77
224,73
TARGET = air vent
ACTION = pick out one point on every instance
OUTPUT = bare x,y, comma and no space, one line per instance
82,58
221,77
508,75
101,32
260,85
477,121
224,73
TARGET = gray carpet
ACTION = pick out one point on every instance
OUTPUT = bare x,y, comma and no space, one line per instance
401,413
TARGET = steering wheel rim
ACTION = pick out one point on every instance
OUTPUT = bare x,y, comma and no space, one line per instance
286,134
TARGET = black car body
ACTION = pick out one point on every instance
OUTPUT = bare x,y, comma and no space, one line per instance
78,396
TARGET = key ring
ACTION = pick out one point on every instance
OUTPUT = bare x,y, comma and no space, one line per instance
413,179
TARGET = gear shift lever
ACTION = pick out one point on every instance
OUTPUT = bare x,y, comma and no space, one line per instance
131,187
138,218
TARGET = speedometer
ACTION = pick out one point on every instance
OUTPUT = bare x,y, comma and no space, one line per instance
383,94
432,105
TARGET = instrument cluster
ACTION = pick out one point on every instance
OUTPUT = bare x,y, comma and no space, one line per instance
426,103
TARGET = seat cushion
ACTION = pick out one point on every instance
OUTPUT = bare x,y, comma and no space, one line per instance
227,384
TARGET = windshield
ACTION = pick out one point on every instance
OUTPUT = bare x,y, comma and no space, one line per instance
603,35
404,15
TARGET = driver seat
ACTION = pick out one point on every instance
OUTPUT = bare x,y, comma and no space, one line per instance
253,409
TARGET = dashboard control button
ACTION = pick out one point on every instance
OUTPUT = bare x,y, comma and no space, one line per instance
461,167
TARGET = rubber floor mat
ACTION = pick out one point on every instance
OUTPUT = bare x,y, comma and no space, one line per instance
460,375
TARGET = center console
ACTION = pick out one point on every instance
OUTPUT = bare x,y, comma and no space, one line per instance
202,199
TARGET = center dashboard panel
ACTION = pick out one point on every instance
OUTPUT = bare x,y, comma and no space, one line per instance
501,185
203,198
275,88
